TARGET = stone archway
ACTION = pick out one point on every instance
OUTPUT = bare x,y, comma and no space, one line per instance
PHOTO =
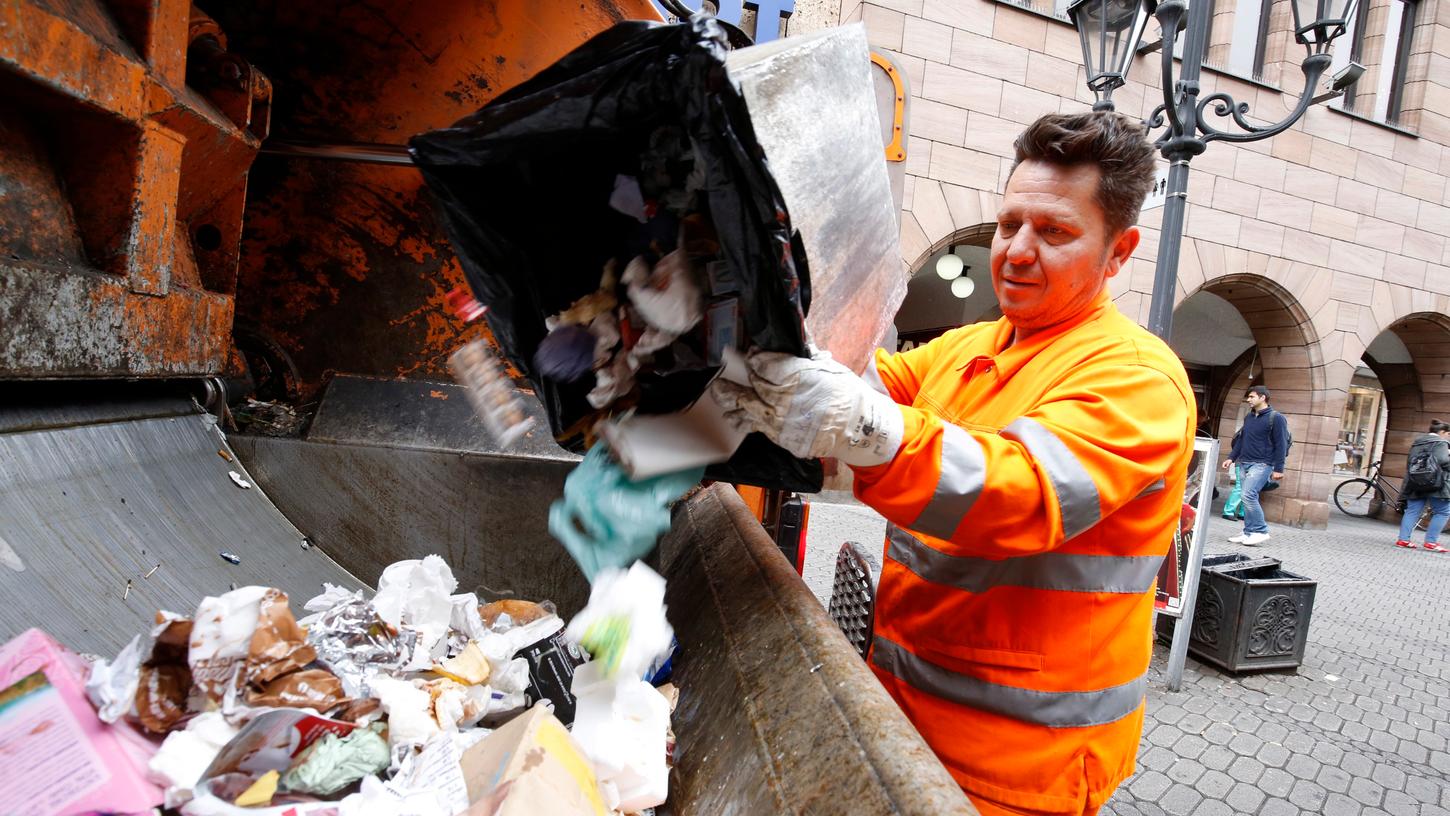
1416,391
1286,357
930,307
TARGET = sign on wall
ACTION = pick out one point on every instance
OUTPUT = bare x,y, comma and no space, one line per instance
1159,193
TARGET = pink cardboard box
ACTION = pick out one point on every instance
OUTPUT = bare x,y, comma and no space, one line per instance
56,757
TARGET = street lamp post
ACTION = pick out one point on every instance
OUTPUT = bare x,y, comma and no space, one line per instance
1110,31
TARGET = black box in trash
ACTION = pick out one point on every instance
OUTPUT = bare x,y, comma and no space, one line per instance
1251,614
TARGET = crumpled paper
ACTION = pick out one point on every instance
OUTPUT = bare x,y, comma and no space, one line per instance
624,625
185,755
622,724
149,680
418,595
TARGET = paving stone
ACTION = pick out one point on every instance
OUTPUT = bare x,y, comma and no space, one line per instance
1400,803
1308,795
1334,779
1186,771
1217,757
1245,798
1213,807
1246,770
1303,766
1337,804
1278,807
1412,752
1150,785
1389,776
1275,782
1328,753
1424,789
1357,764
1191,746
1273,755
1366,791
1180,800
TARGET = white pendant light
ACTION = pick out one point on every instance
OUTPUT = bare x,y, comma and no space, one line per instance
949,266
963,287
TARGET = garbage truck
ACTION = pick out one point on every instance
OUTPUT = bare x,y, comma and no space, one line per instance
224,327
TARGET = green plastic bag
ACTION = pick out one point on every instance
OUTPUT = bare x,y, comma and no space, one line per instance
606,520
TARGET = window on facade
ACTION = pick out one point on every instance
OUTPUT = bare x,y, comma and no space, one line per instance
1385,52
1396,77
1238,46
1350,48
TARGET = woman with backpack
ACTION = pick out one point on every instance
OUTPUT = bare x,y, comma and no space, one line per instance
1425,481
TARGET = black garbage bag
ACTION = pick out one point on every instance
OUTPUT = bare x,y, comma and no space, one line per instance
524,187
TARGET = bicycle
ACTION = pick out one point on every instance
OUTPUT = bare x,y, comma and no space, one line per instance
1363,496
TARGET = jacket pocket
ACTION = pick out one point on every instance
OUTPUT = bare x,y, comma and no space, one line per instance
954,655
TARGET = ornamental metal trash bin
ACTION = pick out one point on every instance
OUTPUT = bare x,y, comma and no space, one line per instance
1251,614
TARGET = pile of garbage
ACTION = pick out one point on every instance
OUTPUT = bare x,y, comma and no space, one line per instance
414,701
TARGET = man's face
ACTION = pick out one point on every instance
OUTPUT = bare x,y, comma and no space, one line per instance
1255,400
1052,254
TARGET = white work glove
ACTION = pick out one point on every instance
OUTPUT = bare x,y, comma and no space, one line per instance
814,408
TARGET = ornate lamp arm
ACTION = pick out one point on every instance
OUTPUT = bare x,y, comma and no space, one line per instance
1224,105
1170,15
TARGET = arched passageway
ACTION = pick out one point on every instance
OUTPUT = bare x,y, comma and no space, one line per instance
1243,329
932,306
1411,361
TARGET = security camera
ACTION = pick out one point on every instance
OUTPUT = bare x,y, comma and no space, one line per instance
1346,76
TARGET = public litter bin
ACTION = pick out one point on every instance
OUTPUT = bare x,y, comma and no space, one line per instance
1251,614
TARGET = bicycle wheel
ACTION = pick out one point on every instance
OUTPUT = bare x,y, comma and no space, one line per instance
1353,497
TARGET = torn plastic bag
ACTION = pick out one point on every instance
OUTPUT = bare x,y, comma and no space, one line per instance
524,188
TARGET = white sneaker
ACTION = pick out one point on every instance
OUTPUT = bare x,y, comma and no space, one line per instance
1238,539
1254,539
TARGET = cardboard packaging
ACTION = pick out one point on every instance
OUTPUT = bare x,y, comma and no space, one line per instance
530,767
56,756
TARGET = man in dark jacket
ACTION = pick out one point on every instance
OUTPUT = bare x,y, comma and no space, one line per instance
1259,448
1435,446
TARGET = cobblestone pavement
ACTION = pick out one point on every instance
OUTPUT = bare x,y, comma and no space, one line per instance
1362,728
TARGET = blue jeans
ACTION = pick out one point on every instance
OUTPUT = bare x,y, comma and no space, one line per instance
1255,476
1414,508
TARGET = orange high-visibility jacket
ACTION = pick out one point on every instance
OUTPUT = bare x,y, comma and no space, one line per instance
1031,503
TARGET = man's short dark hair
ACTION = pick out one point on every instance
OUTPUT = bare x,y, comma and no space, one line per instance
1436,426
1118,146
1261,390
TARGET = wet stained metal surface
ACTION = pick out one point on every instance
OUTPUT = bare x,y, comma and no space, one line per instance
345,265
778,714
121,192
86,508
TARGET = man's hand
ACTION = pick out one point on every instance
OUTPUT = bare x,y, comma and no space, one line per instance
1228,463
1276,475
814,408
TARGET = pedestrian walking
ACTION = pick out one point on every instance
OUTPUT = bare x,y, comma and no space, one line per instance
1259,448
1426,483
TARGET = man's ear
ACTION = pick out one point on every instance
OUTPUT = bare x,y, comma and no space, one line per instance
1122,249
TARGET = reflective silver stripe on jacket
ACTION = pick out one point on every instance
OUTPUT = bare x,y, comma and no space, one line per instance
1055,709
873,377
1068,572
959,481
1151,489
1077,494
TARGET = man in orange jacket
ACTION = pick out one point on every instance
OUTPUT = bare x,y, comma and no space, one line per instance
1032,471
